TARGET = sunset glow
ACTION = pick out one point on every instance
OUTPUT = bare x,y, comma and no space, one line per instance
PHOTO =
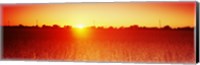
80,31
157,32
175,14
80,26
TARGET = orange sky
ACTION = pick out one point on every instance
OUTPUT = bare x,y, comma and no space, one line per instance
175,14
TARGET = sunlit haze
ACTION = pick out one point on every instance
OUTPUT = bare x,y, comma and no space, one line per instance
144,32
175,14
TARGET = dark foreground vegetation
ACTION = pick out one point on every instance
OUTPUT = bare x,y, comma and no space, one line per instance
132,44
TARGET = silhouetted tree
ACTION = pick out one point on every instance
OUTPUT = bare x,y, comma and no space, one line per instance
45,26
67,27
121,27
185,28
143,27
110,27
134,27
100,27
167,27
20,25
153,28
56,26
36,26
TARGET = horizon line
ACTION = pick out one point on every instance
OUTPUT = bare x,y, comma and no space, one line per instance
134,25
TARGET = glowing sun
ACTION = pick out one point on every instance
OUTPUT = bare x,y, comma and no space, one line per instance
80,26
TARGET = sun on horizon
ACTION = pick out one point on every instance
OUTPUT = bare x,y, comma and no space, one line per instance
80,26
157,32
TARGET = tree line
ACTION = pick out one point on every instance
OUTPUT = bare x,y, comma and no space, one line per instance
166,27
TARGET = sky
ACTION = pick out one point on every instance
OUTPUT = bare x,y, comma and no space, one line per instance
174,14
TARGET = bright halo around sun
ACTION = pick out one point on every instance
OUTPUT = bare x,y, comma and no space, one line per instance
80,26
80,31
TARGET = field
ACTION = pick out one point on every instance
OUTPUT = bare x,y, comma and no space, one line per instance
99,45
